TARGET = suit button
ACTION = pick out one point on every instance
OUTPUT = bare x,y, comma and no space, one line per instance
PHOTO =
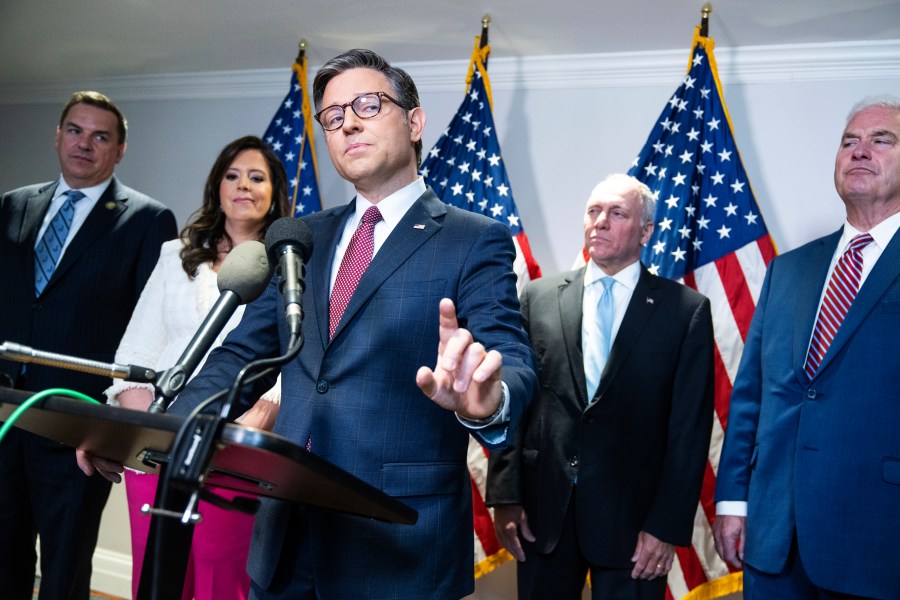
811,394
574,462
321,386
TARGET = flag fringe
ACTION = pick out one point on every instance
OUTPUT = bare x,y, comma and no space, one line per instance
300,69
718,588
492,562
479,55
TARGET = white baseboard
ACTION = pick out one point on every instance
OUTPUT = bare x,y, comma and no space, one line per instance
112,573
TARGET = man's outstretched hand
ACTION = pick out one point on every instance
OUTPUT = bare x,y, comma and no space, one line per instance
466,377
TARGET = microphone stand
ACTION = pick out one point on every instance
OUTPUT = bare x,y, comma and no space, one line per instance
181,485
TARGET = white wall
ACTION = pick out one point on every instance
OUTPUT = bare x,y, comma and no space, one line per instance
564,123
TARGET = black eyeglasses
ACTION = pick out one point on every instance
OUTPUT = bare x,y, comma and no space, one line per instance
365,106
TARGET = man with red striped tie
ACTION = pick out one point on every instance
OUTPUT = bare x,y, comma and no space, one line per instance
809,480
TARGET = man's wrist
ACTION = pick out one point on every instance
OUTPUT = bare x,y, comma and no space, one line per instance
500,415
733,508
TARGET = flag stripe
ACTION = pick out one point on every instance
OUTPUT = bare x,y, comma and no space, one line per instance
726,331
734,285
690,566
722,394
676,584
753,259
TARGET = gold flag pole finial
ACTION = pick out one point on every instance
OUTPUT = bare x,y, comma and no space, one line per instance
301,49
485,24
704,19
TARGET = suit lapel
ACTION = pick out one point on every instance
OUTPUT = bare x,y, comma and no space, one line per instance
883,275
403,241
32,216
809,291
644,302
571,295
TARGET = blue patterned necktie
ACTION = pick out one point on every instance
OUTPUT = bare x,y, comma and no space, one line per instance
49,247
597,353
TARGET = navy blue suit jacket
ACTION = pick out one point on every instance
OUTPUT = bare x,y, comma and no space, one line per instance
86,305
355,402
820,458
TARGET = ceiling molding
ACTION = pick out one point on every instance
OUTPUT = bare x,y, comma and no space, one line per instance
755,64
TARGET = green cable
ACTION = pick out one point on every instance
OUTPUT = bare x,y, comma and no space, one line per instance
40,396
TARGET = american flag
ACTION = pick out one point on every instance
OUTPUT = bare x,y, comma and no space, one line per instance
709,234
290,135
466,169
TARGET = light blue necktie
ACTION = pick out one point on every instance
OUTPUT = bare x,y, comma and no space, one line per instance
49,247
596,355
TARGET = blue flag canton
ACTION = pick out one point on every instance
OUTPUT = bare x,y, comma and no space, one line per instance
705,208
286,136
465,167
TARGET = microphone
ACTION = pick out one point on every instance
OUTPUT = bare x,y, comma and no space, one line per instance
289,243
242,277
27,354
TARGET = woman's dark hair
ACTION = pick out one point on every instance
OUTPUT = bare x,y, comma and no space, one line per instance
206,227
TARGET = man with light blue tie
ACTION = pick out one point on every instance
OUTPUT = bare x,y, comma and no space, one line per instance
808,484
606,474
76,253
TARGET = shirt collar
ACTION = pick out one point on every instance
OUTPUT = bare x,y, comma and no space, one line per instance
393,207
93,193
881,233
628,276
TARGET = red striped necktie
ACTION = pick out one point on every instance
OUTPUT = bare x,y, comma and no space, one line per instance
839,295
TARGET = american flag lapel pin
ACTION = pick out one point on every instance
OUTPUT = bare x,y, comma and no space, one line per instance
649,300
418,226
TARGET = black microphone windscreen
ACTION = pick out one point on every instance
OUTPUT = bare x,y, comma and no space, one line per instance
288,230
245,271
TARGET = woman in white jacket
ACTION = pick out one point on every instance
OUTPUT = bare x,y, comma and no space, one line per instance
245,192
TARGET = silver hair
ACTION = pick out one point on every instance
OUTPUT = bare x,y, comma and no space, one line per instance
648,200
888,101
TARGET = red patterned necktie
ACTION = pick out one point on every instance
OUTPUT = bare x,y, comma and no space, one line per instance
839,295
353,265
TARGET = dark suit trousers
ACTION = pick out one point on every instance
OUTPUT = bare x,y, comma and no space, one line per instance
561,574
293,578
44,493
